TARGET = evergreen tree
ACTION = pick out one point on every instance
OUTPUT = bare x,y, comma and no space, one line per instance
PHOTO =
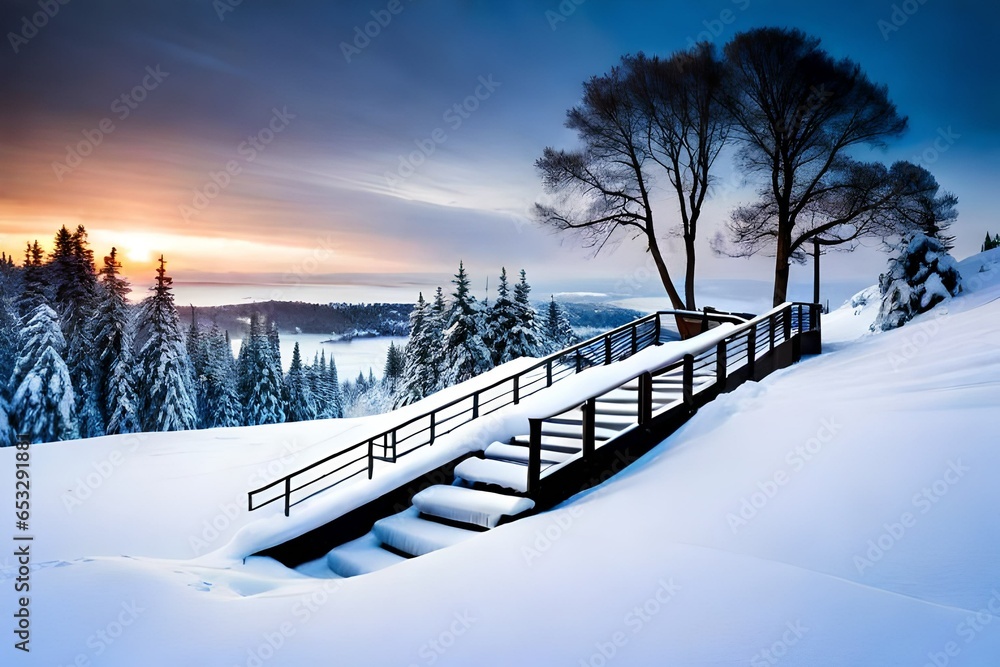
197,349
526,338
300,401
501,320
165,399
336,409
394,365
419,379
222,403
10,337
435,323
922,275
261,382
74,281
465,354
113,351
558,331
33,292
43,403
991,243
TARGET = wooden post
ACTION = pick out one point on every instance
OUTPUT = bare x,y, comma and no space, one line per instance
517,389
393,445
645,398
475,405
656,330
751,350
607,350
288,494
815,269
548,373
688,382
534,454
770,332
635,339
431,441
589,413
787,322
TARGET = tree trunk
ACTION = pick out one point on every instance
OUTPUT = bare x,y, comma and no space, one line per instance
689,273
661,267
781,269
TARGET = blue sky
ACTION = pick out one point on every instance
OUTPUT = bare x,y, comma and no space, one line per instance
314,199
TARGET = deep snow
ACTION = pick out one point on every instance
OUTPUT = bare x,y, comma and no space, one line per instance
842,511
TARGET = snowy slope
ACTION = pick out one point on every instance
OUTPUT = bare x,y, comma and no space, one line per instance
842,511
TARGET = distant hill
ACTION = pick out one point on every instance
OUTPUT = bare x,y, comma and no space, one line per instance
376,319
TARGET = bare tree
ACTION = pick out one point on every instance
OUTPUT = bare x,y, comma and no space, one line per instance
682,97
603,188
798,112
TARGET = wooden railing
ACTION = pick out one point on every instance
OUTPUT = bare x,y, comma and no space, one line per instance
422,430
709,366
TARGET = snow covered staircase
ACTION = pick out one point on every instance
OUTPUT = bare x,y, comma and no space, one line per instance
441,516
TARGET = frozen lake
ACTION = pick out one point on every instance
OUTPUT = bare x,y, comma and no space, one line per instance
354,356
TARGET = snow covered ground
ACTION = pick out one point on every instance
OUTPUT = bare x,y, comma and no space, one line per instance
842,511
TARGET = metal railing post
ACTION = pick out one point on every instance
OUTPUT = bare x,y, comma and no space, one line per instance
721,363
607,350
431,441
787,322
751,349
635,339
548,373
288,494
534,454
645,398
589,413
371,458
475,405
656,329
517,389
688,381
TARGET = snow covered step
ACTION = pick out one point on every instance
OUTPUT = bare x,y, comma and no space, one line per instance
413,535
519,454
570,445
361,556
602,420
625,396
480,508
511,476
575,431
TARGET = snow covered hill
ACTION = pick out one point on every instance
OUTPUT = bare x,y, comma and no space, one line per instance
841,512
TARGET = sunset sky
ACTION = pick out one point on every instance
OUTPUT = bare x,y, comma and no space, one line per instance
309,132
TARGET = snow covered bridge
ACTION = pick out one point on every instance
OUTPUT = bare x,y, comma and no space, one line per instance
514,446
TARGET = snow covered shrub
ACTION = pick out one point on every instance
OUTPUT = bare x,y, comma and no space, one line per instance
921,276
